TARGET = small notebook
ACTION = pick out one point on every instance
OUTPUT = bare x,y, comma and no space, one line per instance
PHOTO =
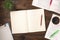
53,29
5,33
25,21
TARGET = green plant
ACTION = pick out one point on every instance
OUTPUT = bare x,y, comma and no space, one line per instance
8,4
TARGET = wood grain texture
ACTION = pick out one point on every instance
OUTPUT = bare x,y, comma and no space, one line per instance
24,5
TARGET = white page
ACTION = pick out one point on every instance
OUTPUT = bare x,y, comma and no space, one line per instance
5,33
55,6
34,20
45,4
19,21
52,27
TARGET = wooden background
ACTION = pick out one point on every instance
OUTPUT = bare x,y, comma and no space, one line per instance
24,5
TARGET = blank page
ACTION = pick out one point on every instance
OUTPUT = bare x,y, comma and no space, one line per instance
34,20
19,21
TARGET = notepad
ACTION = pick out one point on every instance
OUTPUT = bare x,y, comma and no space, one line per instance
53,29
5,32
51,5
26,21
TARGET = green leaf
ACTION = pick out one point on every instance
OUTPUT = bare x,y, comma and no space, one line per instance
8,4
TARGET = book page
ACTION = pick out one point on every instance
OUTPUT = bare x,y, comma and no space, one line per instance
34,20
19,21
55,6
5,33
45,4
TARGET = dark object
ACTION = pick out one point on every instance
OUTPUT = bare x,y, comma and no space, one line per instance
55,20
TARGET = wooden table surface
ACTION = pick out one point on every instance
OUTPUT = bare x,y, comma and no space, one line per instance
24,5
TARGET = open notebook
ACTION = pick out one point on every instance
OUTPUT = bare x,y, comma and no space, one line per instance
25,21
51,5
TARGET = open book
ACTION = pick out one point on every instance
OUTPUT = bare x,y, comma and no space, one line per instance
25,21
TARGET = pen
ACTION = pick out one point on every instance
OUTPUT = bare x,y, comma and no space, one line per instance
56,32
51,2
41,20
